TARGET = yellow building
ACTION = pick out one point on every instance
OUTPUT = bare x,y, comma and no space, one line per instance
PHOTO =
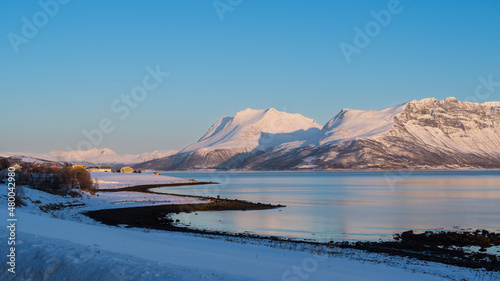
126,170
17,168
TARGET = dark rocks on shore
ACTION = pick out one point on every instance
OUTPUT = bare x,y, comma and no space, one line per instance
443,246
482,238
157,217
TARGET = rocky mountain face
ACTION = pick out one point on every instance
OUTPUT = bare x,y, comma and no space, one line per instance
415,135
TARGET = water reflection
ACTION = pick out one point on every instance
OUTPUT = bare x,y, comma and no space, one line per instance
337,206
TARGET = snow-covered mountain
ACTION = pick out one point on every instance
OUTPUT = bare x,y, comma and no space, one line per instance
148,156
231,140
93,155
355,124
255,129
96,156
417,134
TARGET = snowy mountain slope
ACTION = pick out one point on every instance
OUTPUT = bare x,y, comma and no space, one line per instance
492,103
92,156
21,159
233,139
148,156
352,124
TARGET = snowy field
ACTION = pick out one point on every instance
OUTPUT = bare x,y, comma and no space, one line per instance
121,180
64,245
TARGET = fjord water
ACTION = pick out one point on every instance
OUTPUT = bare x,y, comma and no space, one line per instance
339,206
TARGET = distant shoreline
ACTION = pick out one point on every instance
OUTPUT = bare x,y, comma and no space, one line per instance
326,170
145,187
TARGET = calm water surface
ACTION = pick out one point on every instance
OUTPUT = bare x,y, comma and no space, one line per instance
339,206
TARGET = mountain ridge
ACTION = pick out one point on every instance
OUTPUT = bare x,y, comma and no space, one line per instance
425,133
94,156
419,134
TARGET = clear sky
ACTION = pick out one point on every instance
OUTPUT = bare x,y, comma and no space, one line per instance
84,55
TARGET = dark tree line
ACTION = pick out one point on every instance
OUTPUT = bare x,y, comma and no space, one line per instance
56,178
4,163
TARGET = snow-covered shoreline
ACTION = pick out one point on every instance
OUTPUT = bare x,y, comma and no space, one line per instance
57,249
121,180
65,244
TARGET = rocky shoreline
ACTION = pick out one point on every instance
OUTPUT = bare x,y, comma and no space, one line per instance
158,217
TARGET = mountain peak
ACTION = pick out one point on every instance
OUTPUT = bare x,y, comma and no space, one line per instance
352,123
428,100
450,99
106,151
247,128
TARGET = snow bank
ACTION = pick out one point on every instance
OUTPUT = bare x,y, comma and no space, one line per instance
54,249
44,258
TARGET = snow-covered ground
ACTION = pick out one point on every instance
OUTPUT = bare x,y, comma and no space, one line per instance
105,200
65,245
55,249
120,180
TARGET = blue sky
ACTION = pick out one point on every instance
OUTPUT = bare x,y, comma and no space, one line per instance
281,54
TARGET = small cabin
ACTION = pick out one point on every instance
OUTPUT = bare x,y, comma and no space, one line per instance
126,169
157,174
